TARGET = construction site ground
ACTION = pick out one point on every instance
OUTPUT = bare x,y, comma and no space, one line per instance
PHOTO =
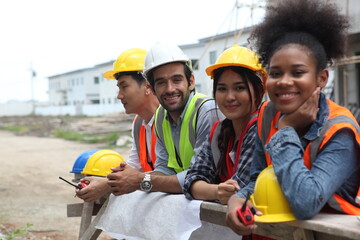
32,197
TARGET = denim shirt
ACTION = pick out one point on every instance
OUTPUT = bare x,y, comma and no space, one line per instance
335,169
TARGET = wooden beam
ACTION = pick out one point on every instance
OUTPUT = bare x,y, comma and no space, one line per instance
93,233
75,209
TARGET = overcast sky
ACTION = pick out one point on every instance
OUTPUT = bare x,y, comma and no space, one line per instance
56,36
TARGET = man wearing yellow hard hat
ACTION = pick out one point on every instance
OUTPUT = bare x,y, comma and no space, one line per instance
137,98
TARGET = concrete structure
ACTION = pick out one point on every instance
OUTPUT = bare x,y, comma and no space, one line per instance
347,84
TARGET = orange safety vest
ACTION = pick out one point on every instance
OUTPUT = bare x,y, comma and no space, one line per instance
141,146
230,166
339,118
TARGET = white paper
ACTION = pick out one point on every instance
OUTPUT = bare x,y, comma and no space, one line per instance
210,231
150,216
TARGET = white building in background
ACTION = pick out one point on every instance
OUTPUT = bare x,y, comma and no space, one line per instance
86,92
207,50
82,92
77,87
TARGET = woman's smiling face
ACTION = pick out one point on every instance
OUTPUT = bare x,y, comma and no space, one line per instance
232,96
293,77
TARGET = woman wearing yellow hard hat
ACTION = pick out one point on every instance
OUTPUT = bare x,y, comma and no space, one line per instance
223,166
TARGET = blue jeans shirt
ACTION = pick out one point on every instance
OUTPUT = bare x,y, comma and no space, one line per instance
335,170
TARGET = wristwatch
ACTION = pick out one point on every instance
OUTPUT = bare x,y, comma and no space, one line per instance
145,184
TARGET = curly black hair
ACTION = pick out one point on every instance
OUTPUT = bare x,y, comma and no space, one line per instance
315,24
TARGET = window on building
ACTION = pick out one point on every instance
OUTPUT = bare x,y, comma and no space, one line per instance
198,88
195,64
357,66
95,101
212,56
96,80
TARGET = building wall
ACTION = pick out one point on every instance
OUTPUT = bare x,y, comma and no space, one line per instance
85,109
347,86
352,8
108,88
16,109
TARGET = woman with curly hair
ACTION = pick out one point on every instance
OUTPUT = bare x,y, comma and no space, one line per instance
312,143
223,166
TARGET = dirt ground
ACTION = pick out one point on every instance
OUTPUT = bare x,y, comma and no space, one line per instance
30,188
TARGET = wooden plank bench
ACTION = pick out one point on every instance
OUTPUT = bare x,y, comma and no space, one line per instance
321,227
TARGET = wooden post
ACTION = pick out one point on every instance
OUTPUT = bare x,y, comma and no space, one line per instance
92,233
86,217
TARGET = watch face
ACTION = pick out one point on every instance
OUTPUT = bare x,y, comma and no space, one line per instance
145,185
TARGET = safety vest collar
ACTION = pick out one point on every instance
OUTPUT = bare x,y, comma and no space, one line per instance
213,137
323,115
147,157
180,160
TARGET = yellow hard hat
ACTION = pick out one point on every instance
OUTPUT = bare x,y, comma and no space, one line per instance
269,198
240,57
99,163
131,60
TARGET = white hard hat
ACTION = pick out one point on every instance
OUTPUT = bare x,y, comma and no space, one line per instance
163,53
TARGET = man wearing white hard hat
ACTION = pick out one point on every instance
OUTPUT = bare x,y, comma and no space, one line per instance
182,123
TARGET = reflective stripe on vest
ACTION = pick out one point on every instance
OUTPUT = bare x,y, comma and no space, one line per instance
141,145
339,118
214,135
187,133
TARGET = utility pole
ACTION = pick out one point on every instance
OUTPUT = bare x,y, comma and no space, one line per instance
255,4
32,78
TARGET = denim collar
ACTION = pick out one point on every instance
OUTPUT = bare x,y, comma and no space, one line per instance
321,118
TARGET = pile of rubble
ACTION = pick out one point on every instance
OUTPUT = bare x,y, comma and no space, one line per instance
44,126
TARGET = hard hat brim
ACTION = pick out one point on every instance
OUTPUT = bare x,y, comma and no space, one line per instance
110,74
273,218
146,71
209,70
